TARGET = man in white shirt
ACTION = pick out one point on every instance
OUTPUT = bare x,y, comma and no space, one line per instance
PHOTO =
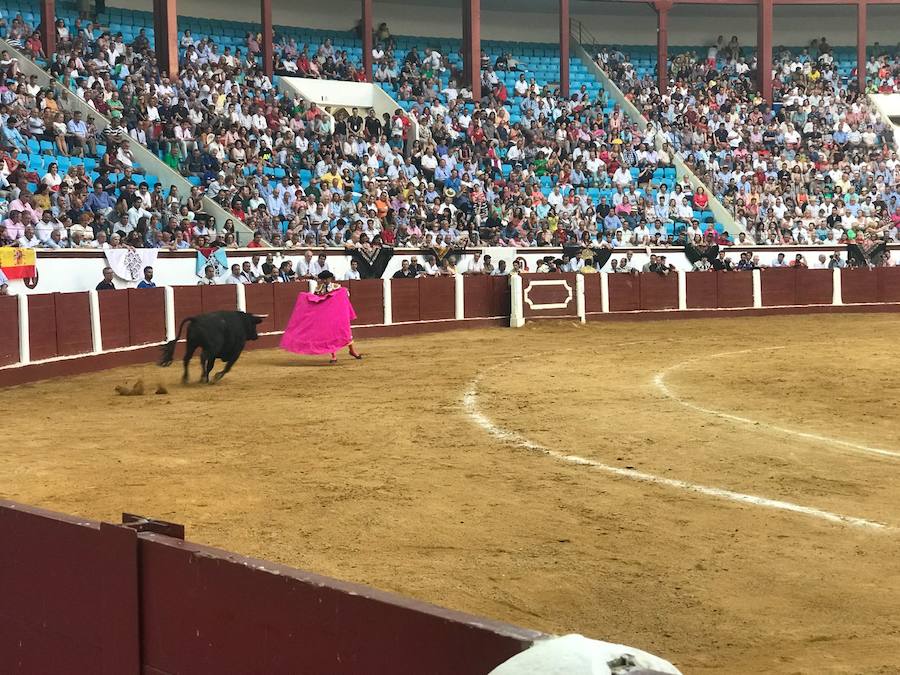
353,273
235,276
29,238
476,265
319,265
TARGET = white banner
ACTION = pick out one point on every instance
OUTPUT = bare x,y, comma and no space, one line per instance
129,263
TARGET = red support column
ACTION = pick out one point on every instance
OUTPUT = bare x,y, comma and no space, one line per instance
564,48
472,52
662,8
861,44
268,37
367,25
764,48
48,26
165,23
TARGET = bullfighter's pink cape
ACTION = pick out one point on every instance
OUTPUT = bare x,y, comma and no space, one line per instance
320,324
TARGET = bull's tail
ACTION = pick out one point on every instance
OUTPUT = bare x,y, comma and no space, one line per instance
168,349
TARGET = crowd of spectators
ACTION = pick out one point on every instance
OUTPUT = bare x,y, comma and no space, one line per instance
818,167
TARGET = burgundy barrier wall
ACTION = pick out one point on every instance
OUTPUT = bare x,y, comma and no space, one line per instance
82,597
146,315
658,291
9,330
115,326
367,298
42,326
549,295
714,290
888,284
859,286
624,292
437,298
486,296
261,301
73,322
405,300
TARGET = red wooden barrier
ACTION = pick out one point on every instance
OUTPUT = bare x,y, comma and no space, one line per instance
888,284
592,300
702,290
477,296
405,300
187,303
261,300
859,286
658,291
624,292
549,295
42,326
115,324
437,298
779,286
284,297
367,298
9,330
126,603
73,324
734,289
147,315
814,287
217,298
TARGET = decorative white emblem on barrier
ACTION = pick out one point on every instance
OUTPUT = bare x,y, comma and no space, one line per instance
537,306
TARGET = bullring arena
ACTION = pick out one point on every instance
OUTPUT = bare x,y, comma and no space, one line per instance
718,491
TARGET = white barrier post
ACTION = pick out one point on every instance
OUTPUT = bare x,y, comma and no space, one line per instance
604,292
24,330
170,313
682,289
579,297
388,303
837,288
312,285
460,297
757,289
516,310
241,297
96,331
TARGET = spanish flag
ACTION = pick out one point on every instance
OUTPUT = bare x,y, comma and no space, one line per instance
17,263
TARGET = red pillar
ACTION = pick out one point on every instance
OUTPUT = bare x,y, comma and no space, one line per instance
48,26
564,48
662,8
367,25
165,23
268,37
764,48
472,51
861,44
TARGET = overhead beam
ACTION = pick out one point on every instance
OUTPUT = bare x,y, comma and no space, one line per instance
367,26
564,48
861,39
268,37
764,20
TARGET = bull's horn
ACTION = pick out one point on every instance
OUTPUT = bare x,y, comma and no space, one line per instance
261,316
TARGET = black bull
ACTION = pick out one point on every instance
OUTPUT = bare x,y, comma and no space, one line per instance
219,335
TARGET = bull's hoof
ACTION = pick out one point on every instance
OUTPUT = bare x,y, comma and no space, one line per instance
217,377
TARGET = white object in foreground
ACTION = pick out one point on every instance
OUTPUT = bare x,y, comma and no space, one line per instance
578,655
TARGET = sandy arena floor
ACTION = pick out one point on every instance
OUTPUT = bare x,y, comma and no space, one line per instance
545,476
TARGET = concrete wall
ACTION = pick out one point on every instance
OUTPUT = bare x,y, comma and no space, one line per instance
537,20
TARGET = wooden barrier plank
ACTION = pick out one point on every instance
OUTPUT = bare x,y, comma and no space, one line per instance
548,295
501,296
9,330
42,326
702,289
187,303
478,299
261,300
888,284
624,292
592,300
859,286
437,298
405,300
284,297
367,298
218,298
734,289
659,291
814,287
146,315
779,286
115,325
73,323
